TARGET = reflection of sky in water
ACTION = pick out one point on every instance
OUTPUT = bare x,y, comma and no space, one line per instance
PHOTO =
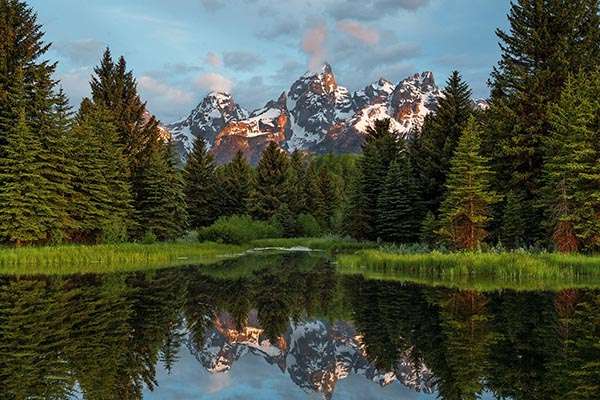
252,378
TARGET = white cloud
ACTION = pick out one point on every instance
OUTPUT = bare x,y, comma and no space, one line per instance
359,31
166,92
214,82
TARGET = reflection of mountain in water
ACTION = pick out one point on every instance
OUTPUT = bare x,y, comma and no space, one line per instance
315,354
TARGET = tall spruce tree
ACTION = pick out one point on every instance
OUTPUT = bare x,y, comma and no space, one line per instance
296,184
24,213
270,190
465,212
101,203
439,138
328,200
399,210
115,88
236,183
161,209
547,41
379,150
512,230
200,186
572,170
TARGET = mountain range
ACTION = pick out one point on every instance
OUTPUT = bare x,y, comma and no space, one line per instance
313,353
315,114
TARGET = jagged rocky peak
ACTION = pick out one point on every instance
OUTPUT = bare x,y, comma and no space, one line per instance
253,134
377,92
207,119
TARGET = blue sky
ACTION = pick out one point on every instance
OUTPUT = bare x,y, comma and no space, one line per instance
181,49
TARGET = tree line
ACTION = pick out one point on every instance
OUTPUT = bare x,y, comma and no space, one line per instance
522,173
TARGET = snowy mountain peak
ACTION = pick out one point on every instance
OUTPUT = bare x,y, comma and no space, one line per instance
316,114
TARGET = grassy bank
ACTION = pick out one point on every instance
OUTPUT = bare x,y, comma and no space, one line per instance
110,258
72,259
483,270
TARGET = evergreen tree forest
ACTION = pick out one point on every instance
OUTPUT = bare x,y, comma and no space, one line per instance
522,172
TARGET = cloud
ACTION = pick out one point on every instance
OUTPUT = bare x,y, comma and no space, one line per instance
241,60
170,94
369,10
281,27
213,59
212,5
214,82
359,31
313,44
76,83
81,52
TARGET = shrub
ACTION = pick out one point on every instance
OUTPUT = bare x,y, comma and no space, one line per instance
308,226
149,237
238,229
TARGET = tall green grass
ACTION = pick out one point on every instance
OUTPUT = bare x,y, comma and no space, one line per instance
468,269
110,258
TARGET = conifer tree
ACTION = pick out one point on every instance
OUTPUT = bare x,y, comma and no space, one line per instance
427,233
236,183
161,203
115,88
101,202
24,213
572,171
381,147
512,234
439,138
296,184
465,212
399,206
200,186
325,213
311,191
270,190
547,41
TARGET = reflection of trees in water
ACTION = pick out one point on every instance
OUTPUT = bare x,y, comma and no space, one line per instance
109,332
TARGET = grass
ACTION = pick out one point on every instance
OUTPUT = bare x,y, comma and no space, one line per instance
518,270
61,260
74,259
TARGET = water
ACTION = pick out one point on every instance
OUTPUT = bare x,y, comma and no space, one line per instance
288,326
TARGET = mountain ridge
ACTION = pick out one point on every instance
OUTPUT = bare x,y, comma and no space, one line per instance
316,114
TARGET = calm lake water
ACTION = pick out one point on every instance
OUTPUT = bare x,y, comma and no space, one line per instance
288,326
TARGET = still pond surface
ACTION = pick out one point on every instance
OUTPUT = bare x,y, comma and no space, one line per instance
291,326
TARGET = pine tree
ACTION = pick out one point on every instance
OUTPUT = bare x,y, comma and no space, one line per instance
512,234
465,211
399,206
328,199
571,171
101,202
381,147
115,88
236,183
161,200
270,193
547,41
427,233
439,138
200,186
296,184
24,213
311,191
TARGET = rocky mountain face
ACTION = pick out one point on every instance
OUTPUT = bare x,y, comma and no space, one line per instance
315,355
316,114
207,120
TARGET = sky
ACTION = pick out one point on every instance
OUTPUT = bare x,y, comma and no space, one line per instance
180,50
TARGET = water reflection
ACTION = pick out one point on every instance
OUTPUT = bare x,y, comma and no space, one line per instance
110,336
